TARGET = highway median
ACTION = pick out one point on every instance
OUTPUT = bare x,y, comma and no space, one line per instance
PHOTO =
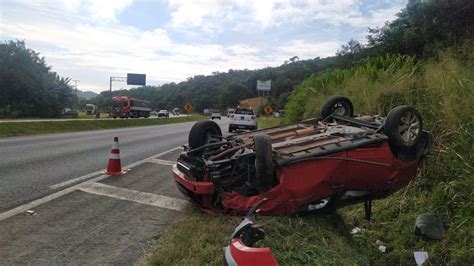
10,129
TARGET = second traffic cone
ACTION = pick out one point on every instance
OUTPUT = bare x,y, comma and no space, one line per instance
114,167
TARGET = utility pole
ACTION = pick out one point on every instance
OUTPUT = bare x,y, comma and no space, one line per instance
75,85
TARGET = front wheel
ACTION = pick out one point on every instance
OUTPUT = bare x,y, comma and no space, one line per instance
403,126
204,132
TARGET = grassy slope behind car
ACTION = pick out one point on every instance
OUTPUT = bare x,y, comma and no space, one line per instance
44,127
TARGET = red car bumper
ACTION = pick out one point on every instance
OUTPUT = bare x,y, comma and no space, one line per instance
201,188
239,254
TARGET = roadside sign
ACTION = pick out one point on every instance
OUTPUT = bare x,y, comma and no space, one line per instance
268,110
188,107
136,79
264,85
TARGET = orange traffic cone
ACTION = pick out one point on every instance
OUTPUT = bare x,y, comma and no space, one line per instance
114,167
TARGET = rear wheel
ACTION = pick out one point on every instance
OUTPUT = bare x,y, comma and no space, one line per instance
263,162
403,126
338,105
204,132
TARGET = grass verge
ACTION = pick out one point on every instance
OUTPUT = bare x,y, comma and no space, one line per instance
264,122
44,127
197,239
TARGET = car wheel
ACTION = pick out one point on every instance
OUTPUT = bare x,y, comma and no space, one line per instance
263,162
338,105
231,129
204,132
403,126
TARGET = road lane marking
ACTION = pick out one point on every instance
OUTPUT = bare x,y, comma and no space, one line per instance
135,196
36,203
85,177
77,179
164,162
50,197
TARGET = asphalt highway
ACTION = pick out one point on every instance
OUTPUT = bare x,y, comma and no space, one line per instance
29,166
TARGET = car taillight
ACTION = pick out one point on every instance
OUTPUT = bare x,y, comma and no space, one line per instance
253,117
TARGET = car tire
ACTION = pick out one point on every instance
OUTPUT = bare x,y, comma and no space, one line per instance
231,129
263,162
201,133
403,126
339,105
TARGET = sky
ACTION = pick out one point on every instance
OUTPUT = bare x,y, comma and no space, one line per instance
171,40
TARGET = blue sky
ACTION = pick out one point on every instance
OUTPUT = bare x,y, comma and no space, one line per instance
170,40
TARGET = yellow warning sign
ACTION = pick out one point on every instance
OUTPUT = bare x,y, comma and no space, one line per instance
188,107
268,110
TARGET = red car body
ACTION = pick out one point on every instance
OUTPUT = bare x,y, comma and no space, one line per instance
307,181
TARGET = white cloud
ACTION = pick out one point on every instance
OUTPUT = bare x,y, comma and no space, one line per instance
308,50
107,10
262,14
190,14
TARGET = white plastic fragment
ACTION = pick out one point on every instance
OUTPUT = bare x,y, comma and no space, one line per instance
383,248
356,230
30,212
420,257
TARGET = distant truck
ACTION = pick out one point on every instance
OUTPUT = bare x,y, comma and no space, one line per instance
207,111
125,107
91,109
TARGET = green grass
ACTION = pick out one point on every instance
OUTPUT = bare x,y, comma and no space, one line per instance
45,127
197,239
264,122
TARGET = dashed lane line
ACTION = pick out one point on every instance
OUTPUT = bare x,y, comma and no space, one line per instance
135,196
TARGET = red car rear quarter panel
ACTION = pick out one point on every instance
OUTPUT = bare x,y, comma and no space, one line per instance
311,180
377,168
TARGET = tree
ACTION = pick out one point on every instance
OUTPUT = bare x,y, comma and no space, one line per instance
27,86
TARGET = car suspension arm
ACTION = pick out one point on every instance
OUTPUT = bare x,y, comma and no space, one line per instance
236,148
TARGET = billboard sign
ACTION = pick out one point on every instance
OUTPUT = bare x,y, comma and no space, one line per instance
136,79
264,85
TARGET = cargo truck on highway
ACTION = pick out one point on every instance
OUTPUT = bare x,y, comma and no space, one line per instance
91,109
125,107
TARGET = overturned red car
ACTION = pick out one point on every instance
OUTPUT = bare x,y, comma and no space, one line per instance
306,167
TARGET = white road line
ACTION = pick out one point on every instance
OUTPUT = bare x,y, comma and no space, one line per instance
84,177
135,196
164,162
77,179
36,203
